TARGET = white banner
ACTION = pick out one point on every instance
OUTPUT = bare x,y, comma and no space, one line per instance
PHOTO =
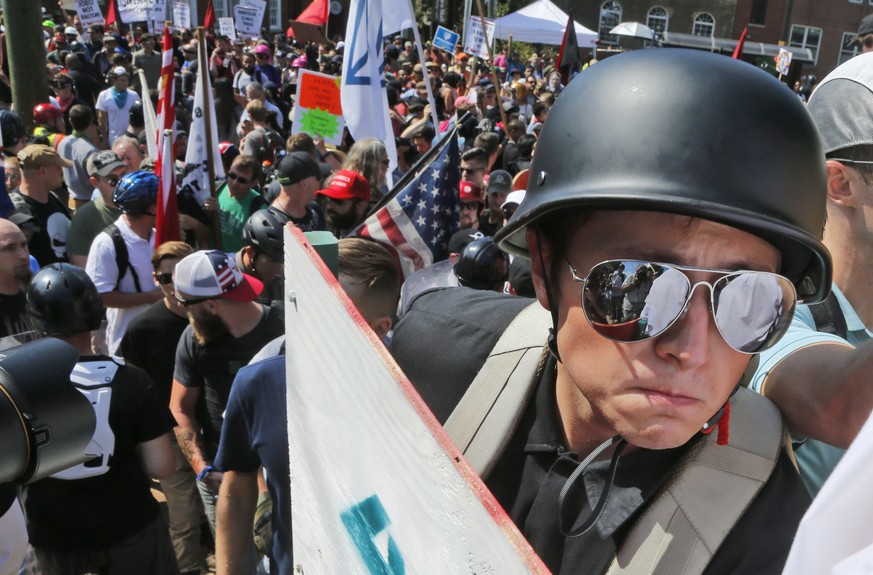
89,12
181,14
363,93
378,485
226,27
196,158
476,44
134,10
246,21
151,120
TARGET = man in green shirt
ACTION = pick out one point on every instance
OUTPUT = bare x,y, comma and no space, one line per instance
104,168
237,200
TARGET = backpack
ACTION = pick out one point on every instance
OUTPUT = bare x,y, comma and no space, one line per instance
122,257
93,379
683,527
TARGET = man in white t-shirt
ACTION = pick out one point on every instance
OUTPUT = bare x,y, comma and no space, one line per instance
125,283
113,105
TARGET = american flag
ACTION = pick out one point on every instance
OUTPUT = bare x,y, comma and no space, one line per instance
226,272
419,219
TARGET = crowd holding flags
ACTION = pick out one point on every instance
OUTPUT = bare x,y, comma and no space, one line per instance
418,219
167,223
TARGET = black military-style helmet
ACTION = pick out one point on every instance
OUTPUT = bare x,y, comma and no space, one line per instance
263,230
686,132
482,265
62,299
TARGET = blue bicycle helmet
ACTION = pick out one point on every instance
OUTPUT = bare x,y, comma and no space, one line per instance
136,192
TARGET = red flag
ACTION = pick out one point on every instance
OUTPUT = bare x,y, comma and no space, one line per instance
315,13
209,19
738,51
167,222
112,14
568,58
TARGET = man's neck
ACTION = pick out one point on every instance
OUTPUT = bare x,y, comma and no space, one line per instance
244,318
853,266
582,429
37,193
293,204
140,225
175,307
9,285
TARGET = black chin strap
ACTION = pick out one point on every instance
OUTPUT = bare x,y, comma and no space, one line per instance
553,308
565,524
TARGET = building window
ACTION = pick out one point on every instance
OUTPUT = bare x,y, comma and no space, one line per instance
610,17
856,1
273,16
806,37
658,20
758,13
222,8
704,25
848,48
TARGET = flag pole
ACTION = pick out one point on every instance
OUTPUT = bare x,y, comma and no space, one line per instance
433,110
411,173
207,125
494,81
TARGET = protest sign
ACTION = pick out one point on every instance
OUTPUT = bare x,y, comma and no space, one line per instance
246,21
226,27
783,61
318,110
378,485
134,10
181,14
445,39
476,44
89,12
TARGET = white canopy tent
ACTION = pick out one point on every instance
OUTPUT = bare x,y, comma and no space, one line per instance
541,22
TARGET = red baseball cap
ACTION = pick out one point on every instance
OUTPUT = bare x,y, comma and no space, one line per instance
470,192
347,185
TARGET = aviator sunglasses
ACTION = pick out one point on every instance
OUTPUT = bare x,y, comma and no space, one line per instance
632,300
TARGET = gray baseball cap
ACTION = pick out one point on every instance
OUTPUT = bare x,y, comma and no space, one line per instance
842,105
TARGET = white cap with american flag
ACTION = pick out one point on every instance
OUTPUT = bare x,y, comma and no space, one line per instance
213,273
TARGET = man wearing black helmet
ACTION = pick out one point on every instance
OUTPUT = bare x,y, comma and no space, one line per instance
119,261
636,449
263,253
100,516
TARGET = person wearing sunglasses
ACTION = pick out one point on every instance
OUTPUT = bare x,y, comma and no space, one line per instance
150,344
237,201
104,169
635,445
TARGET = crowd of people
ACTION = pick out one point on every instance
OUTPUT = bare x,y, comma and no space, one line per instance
718,181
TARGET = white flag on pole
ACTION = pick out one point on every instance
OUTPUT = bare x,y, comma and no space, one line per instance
363,94
398,16
151,120
196,160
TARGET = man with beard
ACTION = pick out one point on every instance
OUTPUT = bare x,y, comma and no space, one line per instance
14,273
247,75
348,199
227,329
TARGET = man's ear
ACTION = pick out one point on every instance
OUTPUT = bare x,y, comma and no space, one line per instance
540,250
381,326
841,182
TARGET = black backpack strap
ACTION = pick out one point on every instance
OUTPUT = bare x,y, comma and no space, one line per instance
829,317
122,258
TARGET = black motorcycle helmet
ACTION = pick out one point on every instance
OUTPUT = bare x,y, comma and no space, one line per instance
482,265
263,231
136,115
692,133
62,299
